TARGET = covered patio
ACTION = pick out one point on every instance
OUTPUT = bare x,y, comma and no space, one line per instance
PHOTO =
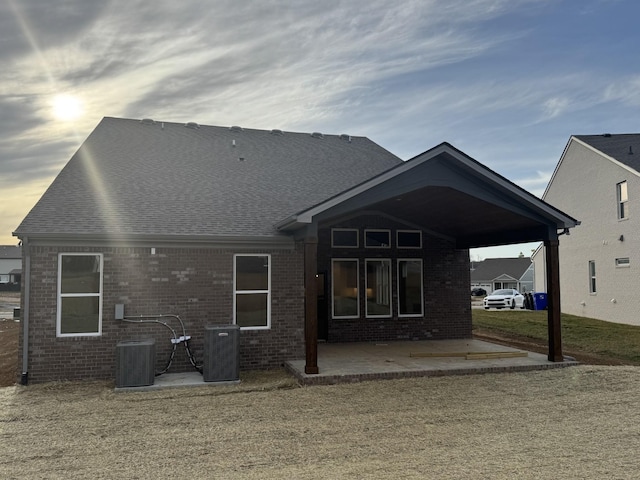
356,362
447,193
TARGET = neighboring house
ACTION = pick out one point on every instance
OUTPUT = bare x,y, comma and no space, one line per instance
10,264
598,180
494,273
295,237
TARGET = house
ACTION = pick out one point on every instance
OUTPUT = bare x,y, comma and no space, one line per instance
294,237
597,179
494,273
10,266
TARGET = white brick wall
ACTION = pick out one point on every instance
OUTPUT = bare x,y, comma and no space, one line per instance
584,186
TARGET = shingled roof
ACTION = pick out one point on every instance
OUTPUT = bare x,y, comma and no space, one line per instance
492,268
625,148
10,252
140,177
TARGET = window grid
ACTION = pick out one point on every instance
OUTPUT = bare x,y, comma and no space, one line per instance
62,315
592,276
623,200
378,304
239,292
405,308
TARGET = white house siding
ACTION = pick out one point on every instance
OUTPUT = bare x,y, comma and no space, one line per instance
584,186
540,270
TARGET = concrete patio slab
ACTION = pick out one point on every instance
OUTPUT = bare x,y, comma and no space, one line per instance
354,362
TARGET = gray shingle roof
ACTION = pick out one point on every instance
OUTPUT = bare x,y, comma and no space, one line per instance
10,251
617,146
492,268
135,177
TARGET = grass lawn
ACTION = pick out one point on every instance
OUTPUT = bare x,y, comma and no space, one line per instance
613,340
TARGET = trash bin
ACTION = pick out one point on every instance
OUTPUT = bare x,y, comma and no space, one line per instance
539,301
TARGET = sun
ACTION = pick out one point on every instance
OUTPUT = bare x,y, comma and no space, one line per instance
67,107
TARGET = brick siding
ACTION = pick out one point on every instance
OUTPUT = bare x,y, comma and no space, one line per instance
196,284
446,279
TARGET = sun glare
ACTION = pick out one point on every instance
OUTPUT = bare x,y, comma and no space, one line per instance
66,107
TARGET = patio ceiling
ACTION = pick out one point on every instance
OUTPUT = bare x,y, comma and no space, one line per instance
447,193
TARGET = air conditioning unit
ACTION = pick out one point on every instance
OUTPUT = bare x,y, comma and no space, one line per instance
135,363
221,353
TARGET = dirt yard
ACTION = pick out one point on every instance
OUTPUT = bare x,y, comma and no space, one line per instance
577,422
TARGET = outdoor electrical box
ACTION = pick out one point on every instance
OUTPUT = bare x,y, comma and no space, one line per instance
221,353
135,363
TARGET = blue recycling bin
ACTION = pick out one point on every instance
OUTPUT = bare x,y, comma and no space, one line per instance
540,301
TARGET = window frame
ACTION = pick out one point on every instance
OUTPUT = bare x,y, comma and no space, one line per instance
593,286
333,244
389,287
377,230
333,304
623,262
237,292
398,245
622,203
60,295
399,273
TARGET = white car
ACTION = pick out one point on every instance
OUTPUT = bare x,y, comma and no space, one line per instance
504,298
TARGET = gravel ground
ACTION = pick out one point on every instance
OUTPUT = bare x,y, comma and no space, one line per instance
579,422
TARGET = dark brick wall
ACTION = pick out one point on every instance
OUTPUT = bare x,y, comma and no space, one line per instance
446,280
196,284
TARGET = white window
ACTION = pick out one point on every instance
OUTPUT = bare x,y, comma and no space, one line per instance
252,291
409,239
623,200
622,262
344,237
410,288
79,294
592,276
378,286
377,238
344,291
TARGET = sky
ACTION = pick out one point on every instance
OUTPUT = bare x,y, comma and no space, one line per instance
505,81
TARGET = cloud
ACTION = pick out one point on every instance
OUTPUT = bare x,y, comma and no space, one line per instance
408,74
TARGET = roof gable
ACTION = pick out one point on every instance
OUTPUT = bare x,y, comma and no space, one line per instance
495,268
624,148
135,177
449,193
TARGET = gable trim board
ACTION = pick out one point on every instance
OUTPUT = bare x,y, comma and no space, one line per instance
189,266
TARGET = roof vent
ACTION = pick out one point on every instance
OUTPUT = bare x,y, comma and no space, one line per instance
630,150
317,135
606,135
193,125
147,121
346,137
277,131
236,128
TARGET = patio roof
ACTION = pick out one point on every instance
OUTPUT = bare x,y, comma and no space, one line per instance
447,193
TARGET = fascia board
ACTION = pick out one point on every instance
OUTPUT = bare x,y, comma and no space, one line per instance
178,241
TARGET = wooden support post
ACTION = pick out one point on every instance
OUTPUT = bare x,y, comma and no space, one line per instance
311,304
553,301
